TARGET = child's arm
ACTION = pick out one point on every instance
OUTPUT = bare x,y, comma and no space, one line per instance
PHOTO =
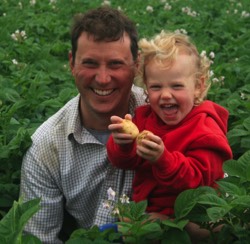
116,127
150,148
120,146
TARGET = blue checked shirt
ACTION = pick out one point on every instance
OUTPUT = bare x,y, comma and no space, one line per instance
68,168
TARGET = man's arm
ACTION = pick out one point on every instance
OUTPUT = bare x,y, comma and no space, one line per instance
37,181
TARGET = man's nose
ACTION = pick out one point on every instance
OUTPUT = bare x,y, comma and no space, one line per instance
102,75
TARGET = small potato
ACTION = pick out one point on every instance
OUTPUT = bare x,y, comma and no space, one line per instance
129,128
142,135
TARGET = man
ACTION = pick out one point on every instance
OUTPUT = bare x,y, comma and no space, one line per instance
67,164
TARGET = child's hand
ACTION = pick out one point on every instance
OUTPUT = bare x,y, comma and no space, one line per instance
123,132
150,147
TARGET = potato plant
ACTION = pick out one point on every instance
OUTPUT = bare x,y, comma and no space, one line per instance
35,80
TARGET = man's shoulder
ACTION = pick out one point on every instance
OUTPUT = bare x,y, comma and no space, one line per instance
61,120
138,96
137,90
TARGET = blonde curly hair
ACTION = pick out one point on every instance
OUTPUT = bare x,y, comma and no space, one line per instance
165,47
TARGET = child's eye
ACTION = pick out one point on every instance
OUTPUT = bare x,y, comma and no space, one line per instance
155,87
177,86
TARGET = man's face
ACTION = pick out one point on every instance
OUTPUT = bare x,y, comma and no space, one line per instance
104,73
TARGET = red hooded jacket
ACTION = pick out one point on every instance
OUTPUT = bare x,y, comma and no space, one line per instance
195,150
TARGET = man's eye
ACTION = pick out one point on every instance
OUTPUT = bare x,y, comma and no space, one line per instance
115,64
89,63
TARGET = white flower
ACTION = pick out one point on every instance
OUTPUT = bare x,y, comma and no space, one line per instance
106,205
149,9
32,2
105,2
13,36
20,5
203,53
124,199
245,14
211,73
167,6
181,31
185,9
212,55
189,12
215,80
115,211
111,194
18,35
242,95
23,34
14,61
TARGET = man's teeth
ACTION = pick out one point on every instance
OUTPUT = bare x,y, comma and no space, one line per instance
103,92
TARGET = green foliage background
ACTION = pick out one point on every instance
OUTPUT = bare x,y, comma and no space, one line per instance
40,82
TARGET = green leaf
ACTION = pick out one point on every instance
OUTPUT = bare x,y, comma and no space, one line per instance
217,213
237,133
246,123
241,201
78,233
239,168
230,188
11,226
175,236
30,239
186,200
151,231
234,168
79,240
178,224
211,199
137,210
124,227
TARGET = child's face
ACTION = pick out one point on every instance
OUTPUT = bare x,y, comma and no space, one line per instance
171,91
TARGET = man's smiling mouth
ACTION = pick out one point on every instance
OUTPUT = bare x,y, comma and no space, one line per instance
103,92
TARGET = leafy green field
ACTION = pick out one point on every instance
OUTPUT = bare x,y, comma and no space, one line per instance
35,80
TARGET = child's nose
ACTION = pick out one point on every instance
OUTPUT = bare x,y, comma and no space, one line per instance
166,94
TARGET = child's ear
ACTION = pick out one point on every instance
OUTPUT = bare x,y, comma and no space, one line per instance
199,89
200,85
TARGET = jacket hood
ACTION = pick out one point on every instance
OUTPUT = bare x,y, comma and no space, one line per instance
213,110
206,109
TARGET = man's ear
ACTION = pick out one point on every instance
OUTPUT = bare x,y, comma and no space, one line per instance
138,60
71,62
